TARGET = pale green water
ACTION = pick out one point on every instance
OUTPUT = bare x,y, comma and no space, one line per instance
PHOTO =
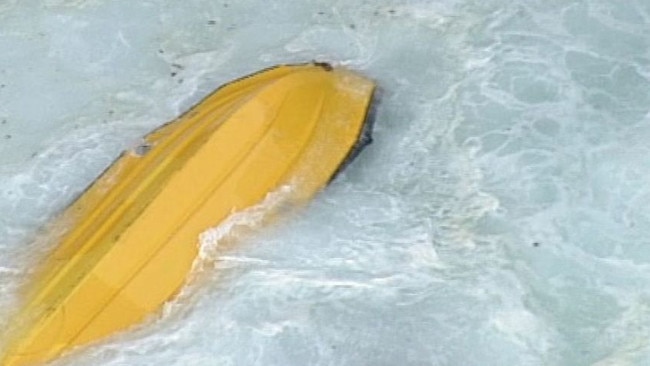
500,218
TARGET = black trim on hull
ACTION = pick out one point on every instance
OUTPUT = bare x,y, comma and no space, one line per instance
365,134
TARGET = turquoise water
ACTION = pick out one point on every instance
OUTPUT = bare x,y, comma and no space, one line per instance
500,218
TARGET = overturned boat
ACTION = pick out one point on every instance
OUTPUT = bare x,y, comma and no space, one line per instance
130,239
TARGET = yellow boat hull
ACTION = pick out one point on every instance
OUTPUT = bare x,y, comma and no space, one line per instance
132,236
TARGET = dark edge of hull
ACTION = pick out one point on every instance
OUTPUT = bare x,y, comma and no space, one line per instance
365,134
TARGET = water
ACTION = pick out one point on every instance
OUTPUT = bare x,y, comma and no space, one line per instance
500,218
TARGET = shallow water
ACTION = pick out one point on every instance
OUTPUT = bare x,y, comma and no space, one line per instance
500,218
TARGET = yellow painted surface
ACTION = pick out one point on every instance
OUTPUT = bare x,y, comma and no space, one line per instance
133,235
